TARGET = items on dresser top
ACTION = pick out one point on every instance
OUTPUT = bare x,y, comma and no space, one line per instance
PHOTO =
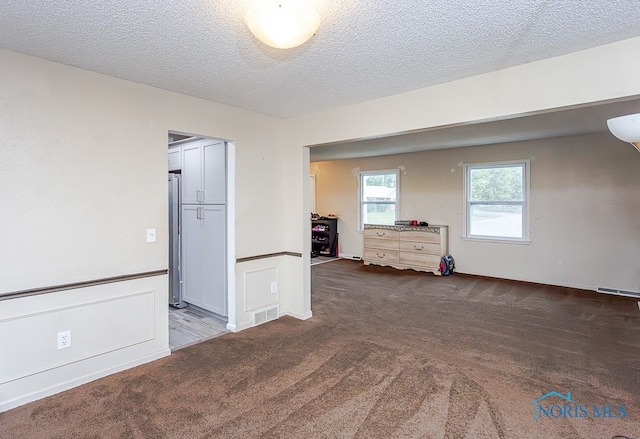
411,223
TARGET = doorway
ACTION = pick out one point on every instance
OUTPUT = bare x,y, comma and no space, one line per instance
201,238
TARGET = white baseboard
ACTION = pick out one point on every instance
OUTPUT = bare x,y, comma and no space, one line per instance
618,292
60,387
247,325
298,316
240,327
348,256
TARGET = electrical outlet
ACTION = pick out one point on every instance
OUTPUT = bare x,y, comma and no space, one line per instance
64,340
274,287
151,235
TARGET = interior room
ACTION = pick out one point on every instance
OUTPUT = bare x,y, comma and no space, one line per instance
104,107
577,185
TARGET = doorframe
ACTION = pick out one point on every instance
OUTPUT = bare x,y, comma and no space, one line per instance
231,235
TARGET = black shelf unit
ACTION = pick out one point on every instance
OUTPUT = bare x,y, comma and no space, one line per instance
324,237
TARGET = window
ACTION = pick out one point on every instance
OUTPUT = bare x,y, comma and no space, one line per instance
496,198
378,197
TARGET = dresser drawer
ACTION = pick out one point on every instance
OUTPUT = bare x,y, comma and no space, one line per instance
378,255
420,259
420,247
385,244
419,236
380,234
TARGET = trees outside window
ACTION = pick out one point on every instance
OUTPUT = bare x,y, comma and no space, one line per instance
378,197
496,197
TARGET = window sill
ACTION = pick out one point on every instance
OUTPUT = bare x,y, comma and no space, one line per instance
498,240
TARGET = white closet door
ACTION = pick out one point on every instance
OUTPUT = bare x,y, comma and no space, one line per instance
192,267
175,158
214,259
214,169
192,173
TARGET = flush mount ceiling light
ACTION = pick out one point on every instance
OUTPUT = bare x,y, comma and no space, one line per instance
626,128
282,24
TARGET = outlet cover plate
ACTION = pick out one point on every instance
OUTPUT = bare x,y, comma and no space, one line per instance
64,340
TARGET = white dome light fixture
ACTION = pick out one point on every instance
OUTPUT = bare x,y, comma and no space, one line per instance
626,128
282,24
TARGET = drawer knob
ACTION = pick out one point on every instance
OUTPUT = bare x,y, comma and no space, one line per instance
415,247
380,255
380,234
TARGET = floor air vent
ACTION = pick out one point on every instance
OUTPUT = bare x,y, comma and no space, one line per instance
618,292
265,315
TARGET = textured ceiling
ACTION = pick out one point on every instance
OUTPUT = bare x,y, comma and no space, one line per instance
364,49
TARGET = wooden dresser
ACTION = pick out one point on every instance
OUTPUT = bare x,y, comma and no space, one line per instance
403,247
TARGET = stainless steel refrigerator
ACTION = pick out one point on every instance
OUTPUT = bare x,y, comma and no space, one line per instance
175,278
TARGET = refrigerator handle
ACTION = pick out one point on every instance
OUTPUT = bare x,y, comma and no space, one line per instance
200,212
200,196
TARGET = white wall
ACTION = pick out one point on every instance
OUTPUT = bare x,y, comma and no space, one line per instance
585,199
83,159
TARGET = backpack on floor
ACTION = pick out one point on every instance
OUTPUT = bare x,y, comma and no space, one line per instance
447,265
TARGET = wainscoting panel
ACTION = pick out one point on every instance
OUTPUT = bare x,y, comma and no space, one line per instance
257,288
126,320
114,326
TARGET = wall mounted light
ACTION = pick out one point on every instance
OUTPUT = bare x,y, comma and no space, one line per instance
626,128
282,24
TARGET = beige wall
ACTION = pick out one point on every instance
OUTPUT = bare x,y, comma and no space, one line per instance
584,202
84,169
598,74
601,73
83,159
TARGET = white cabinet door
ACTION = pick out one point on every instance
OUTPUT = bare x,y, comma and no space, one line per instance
175,158
204,179
204,257
214,259
192,173
214,181
192,266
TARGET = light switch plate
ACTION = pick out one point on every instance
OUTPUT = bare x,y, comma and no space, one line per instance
151,235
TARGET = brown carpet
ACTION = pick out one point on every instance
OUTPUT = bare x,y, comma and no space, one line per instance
387,354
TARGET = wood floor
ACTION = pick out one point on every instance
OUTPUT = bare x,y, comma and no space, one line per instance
191,325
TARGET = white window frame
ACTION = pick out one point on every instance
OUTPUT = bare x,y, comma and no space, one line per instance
361,202
468,167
